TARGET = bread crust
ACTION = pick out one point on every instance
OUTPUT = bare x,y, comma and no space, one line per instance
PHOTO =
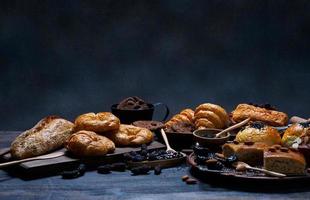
47,135
129,135
88,143
99,123
270,117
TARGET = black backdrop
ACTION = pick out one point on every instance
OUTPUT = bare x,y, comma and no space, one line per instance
70,57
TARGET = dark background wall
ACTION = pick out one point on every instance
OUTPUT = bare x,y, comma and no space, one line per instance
71,57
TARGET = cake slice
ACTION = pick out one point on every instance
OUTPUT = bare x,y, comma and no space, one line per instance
248,152
284,160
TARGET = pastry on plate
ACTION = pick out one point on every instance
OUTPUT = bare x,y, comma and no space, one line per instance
185,116
248,152
129,135
284,160
99,123
259,132
88,143
47,135
209,115
255,113
294,132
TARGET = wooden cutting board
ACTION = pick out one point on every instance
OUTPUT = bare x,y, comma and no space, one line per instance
48,167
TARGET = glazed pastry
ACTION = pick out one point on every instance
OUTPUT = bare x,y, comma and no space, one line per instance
270,117
47,135
293,132
258,132
88,143
284,160
249,152
129,135
151,125
210,116
99,123
186,116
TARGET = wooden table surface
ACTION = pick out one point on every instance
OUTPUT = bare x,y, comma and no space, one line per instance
122,185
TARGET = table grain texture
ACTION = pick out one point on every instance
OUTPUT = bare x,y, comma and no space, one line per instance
122,185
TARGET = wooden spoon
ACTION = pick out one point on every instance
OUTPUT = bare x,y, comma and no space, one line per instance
47,156
246,166
218,135
169,149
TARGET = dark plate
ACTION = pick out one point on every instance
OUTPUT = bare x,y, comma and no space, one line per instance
230,176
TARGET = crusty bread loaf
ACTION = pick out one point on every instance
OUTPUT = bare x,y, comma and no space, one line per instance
129,135
284,160
257,132
88,143
47,135
99,123
270,117
209,115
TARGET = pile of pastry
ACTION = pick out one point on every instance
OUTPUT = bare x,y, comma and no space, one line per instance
259,143
209,115
90,135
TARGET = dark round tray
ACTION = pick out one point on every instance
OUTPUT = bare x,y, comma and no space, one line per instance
231,178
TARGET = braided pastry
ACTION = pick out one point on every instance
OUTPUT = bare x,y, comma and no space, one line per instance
186,116
209,115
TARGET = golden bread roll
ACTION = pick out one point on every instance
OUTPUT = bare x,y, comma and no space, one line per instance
284,160
88,143
209,115
99,123
292,133
47,135
129,135
270,117
186,116
258,132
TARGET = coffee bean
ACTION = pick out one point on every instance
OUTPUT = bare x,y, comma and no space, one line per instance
191,181
185,177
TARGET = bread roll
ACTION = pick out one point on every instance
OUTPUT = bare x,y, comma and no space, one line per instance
129,135
258,132
99,123
292,133
47,135
88,143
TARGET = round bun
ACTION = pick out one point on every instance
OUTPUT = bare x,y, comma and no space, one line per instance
88,143
99,123
209,115
262,133
292,133
129,135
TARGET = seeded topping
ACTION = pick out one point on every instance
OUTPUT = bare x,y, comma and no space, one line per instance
257,125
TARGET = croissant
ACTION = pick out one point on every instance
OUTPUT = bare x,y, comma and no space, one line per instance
186,116
88,143
129,135
100,122
209,115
